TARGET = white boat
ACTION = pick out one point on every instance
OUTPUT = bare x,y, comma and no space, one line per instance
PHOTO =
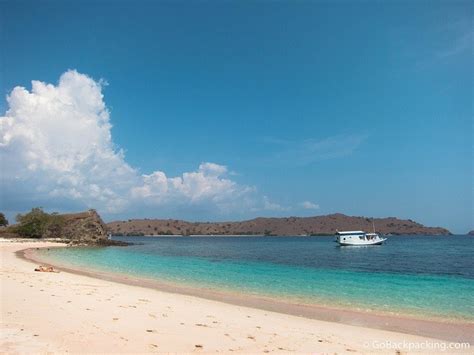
358,238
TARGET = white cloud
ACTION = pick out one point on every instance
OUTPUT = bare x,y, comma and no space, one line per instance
56,147
272,206
58,139
208,183
309,205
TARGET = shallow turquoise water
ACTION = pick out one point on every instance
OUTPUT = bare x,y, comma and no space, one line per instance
425,276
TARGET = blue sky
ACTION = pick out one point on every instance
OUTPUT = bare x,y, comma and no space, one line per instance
313,107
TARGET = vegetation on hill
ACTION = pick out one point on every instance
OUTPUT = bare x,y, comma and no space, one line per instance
36,223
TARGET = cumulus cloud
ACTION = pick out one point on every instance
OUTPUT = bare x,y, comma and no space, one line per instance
56,146
208,183
309,205
57,139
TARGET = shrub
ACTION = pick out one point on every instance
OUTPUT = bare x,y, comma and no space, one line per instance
37,223
32,224
3,220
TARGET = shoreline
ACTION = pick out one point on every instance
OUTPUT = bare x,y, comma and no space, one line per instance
446,329
68,312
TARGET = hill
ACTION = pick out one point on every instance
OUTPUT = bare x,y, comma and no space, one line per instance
83,228
289,226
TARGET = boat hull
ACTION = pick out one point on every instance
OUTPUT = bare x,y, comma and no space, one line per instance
361,243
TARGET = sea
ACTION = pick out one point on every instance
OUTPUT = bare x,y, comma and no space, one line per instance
420,276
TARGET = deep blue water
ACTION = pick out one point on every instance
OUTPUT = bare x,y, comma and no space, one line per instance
429,276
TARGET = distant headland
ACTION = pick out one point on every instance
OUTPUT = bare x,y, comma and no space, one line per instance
288,226
88,228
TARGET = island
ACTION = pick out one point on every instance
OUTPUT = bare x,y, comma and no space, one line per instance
287,226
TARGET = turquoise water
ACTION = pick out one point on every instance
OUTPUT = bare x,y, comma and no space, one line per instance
425,276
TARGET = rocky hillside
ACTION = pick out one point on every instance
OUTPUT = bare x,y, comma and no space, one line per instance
85,228
319,225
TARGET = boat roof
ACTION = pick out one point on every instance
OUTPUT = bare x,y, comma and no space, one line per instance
350,232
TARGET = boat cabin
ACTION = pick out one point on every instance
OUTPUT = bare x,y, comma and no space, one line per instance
358,238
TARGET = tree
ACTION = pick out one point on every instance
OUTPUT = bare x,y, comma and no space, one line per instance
3,220
33,224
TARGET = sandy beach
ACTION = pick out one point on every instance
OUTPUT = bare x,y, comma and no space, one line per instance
67,312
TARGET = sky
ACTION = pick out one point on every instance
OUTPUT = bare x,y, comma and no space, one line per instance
228,110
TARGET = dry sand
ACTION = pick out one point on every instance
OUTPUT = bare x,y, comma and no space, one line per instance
65,312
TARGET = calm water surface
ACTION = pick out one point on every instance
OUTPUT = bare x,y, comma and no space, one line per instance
426,276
